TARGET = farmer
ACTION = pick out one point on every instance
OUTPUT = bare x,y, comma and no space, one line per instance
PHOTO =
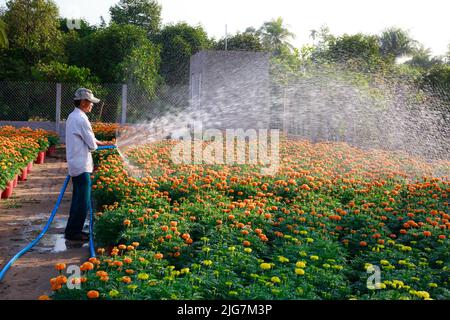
80,142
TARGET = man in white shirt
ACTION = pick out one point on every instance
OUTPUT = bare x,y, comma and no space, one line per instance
80,142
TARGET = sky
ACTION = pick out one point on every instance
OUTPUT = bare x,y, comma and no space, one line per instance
426,20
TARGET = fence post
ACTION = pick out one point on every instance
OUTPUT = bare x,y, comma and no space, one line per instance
123,119
58,108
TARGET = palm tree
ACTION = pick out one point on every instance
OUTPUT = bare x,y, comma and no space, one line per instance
395,42
275,36
3,35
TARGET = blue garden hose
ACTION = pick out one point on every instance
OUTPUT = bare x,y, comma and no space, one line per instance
50,220
47,226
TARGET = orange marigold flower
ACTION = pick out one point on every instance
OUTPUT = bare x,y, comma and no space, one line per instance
87,266
60,266
93,294
126,279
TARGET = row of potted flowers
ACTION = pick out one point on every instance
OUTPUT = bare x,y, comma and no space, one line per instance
19,148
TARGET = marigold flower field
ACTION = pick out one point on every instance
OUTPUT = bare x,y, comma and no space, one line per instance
315,230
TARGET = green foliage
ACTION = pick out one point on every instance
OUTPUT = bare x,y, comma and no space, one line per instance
178,43
241,41
3,35
60,72
34,27
114,55
395,42
142,13
438,78
421,58
141,67
275,36
362,50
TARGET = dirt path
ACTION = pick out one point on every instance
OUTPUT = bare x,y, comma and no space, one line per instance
22,218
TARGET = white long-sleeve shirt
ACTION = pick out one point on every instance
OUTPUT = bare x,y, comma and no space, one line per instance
80,142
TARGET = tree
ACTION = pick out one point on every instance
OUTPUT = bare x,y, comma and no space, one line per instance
118,53
61,72
178,43
438,78
142,13
395,42
421,58
102,22
359,51
3,35
241,41
33,27
141,66
275,36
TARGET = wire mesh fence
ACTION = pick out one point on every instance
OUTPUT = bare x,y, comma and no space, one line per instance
120,103
27,101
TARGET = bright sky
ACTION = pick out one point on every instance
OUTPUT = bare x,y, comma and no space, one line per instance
426,20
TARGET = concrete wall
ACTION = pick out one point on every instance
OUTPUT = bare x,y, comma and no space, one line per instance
233,88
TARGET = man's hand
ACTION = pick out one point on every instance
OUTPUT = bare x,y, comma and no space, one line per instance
105,143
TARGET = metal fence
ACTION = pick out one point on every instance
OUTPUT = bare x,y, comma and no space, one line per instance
47,105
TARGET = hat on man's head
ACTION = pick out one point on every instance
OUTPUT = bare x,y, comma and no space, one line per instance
85,94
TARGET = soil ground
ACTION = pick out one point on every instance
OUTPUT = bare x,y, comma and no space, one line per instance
22,217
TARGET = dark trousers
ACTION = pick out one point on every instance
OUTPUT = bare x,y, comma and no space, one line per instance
81,196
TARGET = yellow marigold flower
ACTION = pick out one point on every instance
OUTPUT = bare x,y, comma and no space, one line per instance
367,266
113,293
309,240
299,271
143,276
384,262
248,250
300,264
265,266
326,265
283,259
432,285
275,280
207,262
303,232
302,253
185,271
314,258
423,294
